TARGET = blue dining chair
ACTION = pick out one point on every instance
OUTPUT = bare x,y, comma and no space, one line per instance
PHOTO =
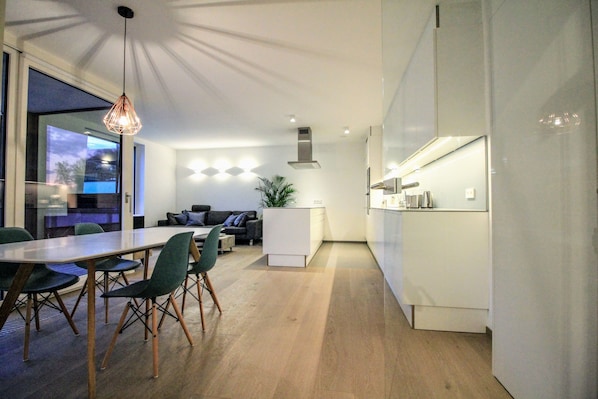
39,288
168,274
112,269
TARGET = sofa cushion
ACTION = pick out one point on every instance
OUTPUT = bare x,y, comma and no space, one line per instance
240,220
181,218
250,214
196,218
230,220
200,208
217,217
171,218
235,230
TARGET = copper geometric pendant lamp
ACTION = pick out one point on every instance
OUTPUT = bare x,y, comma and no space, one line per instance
122,118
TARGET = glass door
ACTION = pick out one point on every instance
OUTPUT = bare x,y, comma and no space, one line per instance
73,166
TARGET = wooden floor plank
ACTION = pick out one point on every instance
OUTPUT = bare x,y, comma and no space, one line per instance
329,331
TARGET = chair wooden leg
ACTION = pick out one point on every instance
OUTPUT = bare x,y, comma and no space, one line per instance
163,315
147,309
106,288
212,292
27,328
66,313
81,293
121,322
199,296
184,293
155,336
36,311
180,316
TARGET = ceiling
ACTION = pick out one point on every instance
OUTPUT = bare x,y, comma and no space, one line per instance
222,73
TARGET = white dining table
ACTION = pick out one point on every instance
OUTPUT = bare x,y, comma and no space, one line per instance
89,248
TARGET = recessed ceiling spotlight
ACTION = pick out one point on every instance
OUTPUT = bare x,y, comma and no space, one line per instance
292,119
346,130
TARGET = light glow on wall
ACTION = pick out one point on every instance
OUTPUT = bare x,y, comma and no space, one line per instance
223,168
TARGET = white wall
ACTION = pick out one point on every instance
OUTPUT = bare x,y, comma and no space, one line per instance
544,203
160,184
339,185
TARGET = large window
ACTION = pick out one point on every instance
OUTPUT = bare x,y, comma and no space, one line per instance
87,164
73,166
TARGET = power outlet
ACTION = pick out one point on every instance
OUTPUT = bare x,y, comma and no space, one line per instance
470,193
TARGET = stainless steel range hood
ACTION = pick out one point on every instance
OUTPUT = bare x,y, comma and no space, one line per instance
304,157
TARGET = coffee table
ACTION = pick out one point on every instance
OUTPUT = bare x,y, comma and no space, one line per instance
225,241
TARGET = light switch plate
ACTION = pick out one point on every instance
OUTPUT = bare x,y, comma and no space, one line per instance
470,193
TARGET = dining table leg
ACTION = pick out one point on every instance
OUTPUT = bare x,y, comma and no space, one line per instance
91,328
21,277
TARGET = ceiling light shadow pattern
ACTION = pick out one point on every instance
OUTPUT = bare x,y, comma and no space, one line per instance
91,54
201,80
259,68
41,20
240,3
49,32
159,78
258,71
268,42
245,73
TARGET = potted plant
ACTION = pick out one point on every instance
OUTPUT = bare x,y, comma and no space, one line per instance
276,192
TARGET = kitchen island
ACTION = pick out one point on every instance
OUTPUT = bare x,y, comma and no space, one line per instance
292,236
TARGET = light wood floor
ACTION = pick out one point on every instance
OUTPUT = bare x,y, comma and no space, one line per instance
331,331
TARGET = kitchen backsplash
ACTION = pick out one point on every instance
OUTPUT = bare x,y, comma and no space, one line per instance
456,181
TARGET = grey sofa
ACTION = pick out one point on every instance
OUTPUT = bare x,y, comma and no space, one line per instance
244,225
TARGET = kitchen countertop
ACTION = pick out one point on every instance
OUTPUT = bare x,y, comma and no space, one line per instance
428,209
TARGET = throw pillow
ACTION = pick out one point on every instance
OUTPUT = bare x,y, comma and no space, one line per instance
196,218
171,218
181,218
229,221
240,220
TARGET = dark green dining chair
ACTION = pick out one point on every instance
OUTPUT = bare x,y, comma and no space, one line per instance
198,273
112,269
39,288
168,274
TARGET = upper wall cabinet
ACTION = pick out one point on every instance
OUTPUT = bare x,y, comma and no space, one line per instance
460,106
442,91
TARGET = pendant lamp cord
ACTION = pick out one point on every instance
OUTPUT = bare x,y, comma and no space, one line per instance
124,54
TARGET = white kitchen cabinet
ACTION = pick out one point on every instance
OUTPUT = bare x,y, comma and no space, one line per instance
292,236
375,235
375,173
437,265
442,91
459,65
